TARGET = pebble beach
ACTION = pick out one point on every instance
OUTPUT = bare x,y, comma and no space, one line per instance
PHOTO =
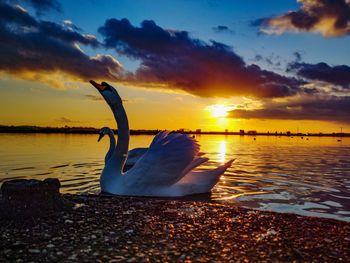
128,229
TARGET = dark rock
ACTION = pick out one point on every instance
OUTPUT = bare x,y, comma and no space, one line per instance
22,199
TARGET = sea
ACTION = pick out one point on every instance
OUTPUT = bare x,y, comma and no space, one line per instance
300,175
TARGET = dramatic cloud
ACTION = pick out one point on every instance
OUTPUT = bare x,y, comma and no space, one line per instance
328,108
337,75
172,59
331,18
31,48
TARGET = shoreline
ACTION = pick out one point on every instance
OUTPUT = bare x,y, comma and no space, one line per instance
133,229
91,130
345,135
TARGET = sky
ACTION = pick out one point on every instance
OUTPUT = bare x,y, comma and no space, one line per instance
265,65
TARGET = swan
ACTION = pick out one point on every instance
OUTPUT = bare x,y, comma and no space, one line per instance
164,170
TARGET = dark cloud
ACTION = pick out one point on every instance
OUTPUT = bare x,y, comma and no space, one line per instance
40,47
94,97
328,108
258,57
336,75
99,98
271,60
172,59
331,18
66,34
297,56
259,21
15,15
223,29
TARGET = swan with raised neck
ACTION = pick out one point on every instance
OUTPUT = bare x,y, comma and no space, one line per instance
166,169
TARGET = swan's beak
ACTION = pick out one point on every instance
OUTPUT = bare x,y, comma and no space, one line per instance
100,137
99,87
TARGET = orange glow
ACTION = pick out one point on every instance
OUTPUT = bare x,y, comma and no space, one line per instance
37,104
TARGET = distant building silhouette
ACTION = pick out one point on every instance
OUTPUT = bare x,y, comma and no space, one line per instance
252,132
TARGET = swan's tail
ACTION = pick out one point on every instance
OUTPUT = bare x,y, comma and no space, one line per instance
229,163
203,181
218,172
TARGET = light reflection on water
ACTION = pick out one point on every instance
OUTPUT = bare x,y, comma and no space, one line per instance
308,177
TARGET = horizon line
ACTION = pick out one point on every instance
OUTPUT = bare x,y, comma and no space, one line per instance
82,130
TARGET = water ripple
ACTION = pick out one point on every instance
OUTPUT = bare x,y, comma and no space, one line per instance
307,177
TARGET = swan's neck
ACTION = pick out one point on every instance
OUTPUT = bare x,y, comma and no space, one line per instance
121,151
111,145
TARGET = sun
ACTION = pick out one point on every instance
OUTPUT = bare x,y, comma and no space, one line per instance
219,110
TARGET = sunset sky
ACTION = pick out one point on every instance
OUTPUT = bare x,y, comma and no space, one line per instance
258,64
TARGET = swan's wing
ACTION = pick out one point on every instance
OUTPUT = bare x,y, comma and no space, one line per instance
134,155
164,162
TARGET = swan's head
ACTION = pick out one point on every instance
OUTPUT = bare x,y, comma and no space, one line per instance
108,93
103,132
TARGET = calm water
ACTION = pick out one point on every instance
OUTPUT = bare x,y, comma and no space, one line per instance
303,176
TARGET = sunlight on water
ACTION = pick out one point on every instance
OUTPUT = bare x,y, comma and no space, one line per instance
307,176
222,152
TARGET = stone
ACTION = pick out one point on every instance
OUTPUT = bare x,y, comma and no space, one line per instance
23,199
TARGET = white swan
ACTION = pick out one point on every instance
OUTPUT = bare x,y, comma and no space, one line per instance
166,167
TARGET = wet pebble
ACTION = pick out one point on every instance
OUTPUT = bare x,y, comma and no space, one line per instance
34,251
124,229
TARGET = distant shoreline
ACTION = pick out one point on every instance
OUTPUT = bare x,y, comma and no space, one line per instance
90,130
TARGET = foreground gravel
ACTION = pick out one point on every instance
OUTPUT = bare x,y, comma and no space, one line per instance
116,229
